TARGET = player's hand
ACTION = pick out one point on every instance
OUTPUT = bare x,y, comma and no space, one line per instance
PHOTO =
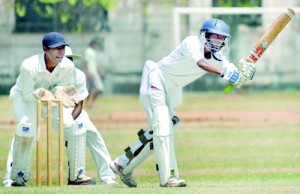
240,81
43,94
248,69
73,93
68,95
234,76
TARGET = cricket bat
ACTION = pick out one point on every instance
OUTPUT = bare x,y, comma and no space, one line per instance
272,31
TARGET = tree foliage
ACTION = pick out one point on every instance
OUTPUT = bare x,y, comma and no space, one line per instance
237,3
251,20
63,15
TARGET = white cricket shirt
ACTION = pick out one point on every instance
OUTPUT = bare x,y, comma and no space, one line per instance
91,59
80,84
34,75
180,65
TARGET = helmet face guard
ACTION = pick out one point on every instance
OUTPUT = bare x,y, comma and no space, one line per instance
218,27
214,45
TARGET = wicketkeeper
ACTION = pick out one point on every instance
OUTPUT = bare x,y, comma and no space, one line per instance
46,76
161,92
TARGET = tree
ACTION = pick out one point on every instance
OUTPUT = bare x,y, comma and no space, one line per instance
65,16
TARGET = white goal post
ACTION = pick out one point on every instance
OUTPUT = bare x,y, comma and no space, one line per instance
178,11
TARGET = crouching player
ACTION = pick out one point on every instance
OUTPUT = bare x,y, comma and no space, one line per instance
41,78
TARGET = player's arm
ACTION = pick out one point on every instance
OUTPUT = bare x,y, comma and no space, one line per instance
27,80
228,72
82,92
101,71
77,110
210,67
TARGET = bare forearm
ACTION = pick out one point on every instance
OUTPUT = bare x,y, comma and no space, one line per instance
209,67
77,110
101,71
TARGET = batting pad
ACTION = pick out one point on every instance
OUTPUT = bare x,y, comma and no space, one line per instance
163,139
140,158
22,150
144,138
76,142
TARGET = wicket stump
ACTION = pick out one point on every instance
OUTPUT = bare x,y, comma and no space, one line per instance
49,142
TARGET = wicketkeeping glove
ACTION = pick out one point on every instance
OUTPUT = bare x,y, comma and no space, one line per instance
43,94
73,93
68,95
248,69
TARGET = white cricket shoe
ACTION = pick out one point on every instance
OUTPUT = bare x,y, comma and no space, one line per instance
7,183
126,178
173,181
82,179
110,182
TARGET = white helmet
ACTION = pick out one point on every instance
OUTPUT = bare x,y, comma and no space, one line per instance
69,54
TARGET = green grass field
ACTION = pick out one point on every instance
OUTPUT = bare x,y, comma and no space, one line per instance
248,143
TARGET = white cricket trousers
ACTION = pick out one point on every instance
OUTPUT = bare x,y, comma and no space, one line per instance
171,94
96,145
160,97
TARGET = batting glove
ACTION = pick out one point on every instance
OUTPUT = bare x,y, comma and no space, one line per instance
234,76
248,69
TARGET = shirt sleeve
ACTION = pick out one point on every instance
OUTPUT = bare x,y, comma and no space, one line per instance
81,84
183,51
27,80
190,47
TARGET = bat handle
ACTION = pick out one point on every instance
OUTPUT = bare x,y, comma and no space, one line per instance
228,88
231,86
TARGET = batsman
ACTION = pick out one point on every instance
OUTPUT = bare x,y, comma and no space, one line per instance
44,77
161,92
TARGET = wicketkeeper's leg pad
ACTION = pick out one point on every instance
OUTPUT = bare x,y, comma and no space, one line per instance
75,144
22,150
163,139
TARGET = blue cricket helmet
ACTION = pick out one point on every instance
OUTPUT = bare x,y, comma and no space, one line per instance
215,26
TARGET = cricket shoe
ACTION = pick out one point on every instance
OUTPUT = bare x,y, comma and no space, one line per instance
82,179
173,181
110,182
126,178
7,183
18,182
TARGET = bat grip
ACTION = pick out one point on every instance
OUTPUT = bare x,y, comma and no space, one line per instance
228,88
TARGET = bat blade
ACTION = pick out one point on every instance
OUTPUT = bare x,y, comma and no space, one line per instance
271,33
